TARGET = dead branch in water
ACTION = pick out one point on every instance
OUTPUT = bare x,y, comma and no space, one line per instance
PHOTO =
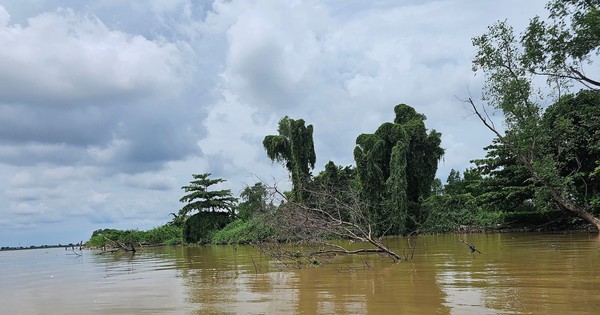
472,247
118,246
325,217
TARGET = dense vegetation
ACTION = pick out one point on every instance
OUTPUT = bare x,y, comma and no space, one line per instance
542,171
163,235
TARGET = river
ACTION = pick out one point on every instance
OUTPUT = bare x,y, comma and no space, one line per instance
524,273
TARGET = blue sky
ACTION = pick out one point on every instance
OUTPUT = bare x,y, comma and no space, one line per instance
108,107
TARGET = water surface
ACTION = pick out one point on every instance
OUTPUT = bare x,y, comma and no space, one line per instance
516,274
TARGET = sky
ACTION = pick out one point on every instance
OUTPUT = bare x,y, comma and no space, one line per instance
108,107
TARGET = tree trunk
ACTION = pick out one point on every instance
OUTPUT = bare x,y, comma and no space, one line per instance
579,211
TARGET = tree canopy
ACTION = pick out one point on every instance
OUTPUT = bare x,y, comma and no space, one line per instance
294,148
396,167
199,198
558,49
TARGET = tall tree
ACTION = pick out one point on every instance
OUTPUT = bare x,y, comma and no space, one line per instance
294,148
558,50
199,198
396,168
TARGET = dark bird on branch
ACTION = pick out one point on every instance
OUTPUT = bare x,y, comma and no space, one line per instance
471,247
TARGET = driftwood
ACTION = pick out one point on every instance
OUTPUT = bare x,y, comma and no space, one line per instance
118,246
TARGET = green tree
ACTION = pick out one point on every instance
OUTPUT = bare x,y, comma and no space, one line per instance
453,182
507,185
572,126
294,148
332,188
557,50
560,47
199,198
396,168
253,200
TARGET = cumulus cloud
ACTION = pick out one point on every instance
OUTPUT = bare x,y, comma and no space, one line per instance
64,58
74,91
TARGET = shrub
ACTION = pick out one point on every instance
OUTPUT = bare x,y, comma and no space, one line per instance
200,227
239,231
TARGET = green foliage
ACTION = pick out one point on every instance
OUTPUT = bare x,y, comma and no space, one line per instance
294,148
200,199
396,168
549,146
332,187
164,234
572,129
241,231
395,211
446,213
200,227
161,235
507,185
254,200
560,46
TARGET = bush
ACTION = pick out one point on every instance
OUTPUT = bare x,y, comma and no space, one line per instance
240,231
201,227
164,235
161,235
447,213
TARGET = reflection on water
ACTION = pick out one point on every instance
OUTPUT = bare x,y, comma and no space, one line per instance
517,274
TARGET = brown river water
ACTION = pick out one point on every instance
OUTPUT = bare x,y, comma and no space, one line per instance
524,273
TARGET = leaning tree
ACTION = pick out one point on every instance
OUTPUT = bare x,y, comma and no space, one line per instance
559,49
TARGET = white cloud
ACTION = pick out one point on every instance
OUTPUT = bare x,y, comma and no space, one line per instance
69,58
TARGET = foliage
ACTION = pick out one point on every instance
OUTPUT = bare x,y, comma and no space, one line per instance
164,234
557,50
254,229
294,148
200,227
507,185
254,201
201,199
447,213
335,183
460,205
561,46
161,235
572,126
396,168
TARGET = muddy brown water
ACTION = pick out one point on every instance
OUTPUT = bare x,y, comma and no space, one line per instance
516,274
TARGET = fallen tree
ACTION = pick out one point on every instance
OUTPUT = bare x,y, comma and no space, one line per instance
325,226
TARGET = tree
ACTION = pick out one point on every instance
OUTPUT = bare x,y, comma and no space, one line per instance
561,47
572,126
199,198
334,182
254,200
294,148
396,168
557,50
507,185
326,218
453,183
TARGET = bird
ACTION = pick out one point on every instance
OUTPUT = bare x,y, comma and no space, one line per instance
471,247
